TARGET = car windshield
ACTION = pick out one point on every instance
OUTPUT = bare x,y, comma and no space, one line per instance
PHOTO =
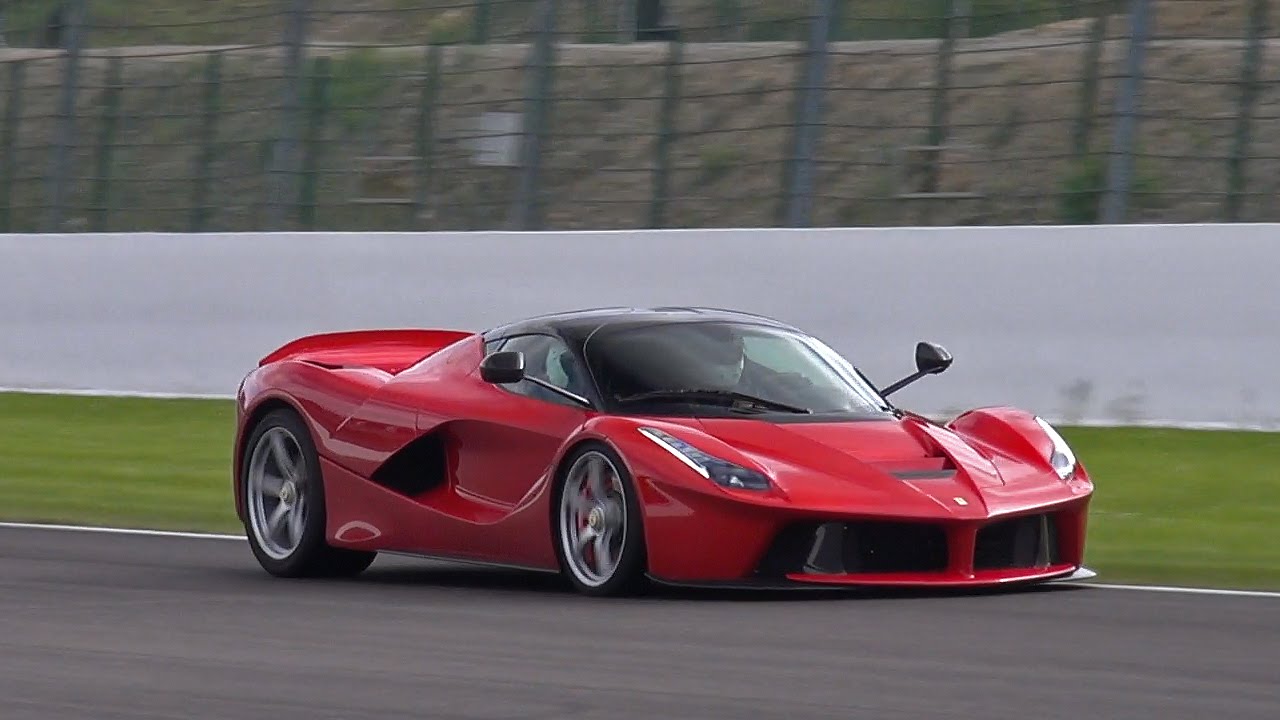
726,365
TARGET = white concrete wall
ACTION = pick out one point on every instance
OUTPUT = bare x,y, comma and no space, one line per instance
1100,324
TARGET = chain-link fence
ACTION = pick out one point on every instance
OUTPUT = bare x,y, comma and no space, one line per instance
174,115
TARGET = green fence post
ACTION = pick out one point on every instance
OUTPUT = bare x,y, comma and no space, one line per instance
100,205
480,28
807,127
527,208
59,180
591,32
1244,117
1089,90
200,205
313,141
1115,205
9,141
730,23
626,21
424,137
284,163
940,107
667,134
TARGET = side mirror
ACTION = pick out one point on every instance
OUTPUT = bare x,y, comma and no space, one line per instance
503,368
931,358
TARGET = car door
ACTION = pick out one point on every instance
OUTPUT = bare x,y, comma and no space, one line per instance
508,443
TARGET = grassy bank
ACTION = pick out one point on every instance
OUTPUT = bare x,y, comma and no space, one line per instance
1172,506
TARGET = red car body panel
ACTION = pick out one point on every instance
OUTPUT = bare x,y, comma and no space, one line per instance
367,396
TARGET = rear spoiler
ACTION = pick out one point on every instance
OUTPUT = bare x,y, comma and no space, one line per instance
391,350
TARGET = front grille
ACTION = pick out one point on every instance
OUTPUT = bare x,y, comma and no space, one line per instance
894,547
856,547
1030,541
872,547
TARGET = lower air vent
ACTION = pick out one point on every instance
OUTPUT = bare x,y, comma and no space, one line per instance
894,547
1024,542
838,548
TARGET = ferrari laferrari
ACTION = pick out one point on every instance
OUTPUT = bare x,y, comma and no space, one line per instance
621,447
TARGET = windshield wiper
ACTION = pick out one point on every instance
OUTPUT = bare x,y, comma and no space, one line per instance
723,396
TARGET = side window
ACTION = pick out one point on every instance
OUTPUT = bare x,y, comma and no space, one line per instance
549,360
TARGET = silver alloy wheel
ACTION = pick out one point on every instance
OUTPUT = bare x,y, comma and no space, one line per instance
276,493
593,519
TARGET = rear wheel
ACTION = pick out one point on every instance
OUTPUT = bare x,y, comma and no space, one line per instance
285,504
598,525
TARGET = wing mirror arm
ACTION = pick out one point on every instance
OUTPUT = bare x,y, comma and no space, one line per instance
559,391
931,359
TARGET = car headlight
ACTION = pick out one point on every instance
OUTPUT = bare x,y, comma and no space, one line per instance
721,472
1062,459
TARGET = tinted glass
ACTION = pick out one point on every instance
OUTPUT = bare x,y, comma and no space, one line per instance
768,363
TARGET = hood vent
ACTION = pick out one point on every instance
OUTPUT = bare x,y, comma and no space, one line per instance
924,474
928,468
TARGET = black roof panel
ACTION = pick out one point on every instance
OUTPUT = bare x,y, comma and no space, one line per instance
575,326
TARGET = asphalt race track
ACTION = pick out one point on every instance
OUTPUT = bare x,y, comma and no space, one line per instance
102,627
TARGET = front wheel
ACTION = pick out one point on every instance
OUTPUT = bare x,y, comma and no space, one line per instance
598,525
285,503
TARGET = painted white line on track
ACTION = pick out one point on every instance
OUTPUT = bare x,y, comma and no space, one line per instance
217,536
117,394
1178,590
119,531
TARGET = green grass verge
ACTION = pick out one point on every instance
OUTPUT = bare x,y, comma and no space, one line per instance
1172,506
161,464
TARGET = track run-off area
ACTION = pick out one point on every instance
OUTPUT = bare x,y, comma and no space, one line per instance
106,624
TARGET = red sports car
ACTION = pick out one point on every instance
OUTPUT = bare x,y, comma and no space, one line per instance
685,446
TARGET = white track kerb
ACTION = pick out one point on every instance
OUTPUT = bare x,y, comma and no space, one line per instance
119,531
217,536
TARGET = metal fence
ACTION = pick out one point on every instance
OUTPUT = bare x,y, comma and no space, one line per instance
173,115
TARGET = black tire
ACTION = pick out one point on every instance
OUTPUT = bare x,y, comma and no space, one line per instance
629,575
312,556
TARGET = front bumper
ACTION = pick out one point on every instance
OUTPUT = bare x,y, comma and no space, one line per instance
1026,547
694,541
981,580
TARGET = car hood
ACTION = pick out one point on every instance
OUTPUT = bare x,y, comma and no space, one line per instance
904,463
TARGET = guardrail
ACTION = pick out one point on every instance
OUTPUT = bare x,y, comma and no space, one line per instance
1131,324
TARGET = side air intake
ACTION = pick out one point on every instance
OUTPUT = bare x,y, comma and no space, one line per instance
416,468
